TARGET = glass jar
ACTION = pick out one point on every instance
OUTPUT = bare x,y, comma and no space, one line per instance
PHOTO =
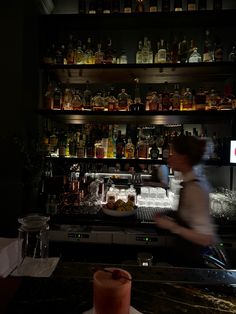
33,237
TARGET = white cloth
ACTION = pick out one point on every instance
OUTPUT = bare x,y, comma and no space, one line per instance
195,204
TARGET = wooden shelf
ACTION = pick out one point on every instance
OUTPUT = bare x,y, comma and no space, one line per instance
146,117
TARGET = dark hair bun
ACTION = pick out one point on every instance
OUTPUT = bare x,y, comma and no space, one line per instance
191,146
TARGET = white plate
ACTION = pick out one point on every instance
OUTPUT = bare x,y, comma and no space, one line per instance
118,213
132,311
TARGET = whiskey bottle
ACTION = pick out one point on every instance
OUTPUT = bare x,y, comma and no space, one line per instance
191,5
123,100
89,54
120,145
165,6
127,6
165,149
195,56
87,97
202,5
129,149
145,51
109,53
153,6
178,5
139,8
232,54
200,99
70,51
208,51
187,101
154,152
183,50
99,55
57,98
79,54
139,53
161,53
218,51
176,98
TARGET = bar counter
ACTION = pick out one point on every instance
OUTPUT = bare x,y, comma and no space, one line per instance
154,290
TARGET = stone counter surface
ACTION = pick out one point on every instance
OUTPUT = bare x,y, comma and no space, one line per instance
154,290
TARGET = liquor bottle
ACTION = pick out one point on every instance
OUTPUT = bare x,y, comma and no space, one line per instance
123,100
99,55
200,99
178,5
176,101
112,101
57,98
89,54
110,144
76,101
150,52
109,53
195,56
165,6
137,105
123,57
232,54
139,8
92,7
139,53
165,149
81,6
153,7
127,6
183,50
166,103
129,149
90,148
154,152
218,51
106,7
87,98
175,51
70,51
142,146
60,55
115,6
187,101
217,5
79,54
191,5
160,57
208,50
145,51
120,145
202,5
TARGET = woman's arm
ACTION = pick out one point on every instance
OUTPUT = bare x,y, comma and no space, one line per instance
191,235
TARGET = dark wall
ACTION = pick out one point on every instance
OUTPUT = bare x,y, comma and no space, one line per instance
19,97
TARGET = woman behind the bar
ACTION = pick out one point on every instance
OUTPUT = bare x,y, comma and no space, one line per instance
196,237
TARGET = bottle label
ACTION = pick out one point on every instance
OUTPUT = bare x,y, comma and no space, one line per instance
127,10
192,7
153,9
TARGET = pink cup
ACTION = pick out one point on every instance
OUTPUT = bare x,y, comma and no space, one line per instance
111,295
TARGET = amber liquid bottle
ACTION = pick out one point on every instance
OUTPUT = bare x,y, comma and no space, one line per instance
139,8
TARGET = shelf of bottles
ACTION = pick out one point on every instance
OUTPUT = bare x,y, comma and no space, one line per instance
126,145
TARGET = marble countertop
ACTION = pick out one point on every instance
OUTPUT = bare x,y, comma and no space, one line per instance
154,290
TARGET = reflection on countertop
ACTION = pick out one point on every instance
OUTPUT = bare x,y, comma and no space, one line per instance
154,290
